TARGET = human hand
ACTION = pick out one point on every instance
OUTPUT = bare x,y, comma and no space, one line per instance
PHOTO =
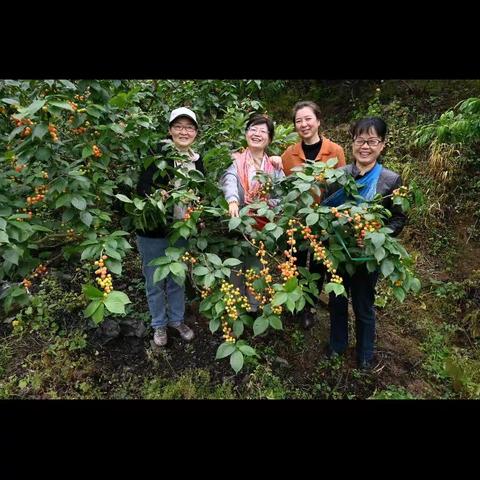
276,161
233,209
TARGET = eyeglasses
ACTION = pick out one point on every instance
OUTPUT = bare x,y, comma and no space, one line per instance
257,131
188,128
371,142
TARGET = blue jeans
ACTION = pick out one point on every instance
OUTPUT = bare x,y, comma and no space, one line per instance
166,299
361,287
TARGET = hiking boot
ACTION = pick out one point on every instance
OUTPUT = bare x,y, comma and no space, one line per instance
160,336
185,331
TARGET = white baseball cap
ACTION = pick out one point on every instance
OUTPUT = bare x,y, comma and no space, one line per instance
183,112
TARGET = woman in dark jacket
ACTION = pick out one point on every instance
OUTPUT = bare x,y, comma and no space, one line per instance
368,135
166,299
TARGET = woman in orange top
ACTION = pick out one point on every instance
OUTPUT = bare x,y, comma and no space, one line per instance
306,118
313,146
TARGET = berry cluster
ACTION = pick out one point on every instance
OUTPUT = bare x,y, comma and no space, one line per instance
40,271
39,196
288,269
188,257
104,279
79,130
400,192
53,132
233,301
320,253
96,151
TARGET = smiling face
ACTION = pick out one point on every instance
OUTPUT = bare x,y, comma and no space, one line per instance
183,132
257,136
366,148
307,125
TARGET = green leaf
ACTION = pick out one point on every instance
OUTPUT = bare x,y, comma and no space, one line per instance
260,325
291,285
214,324
4,238
290,303
112,253
202,243
209,280
219,307
90,252
415,285
238,328
247,350
279,299
387,267
32,108
270,226
224,350
200,270
173,252
140,204
43,154
214,259
399,294
62,200
86,218
159,261
231,262
115,302
97,317
123,198
278,232
184,232
275,322
236,361
92,292
39,131
334,287
312,218
378,239
11,255
234,222
92,307
114,266
379,254
177,269
79,202
87,151
160,273
64,105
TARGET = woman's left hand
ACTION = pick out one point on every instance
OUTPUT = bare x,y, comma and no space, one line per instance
276,161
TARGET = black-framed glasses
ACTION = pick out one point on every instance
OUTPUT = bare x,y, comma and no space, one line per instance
371,142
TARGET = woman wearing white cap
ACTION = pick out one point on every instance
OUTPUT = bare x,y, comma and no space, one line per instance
166,299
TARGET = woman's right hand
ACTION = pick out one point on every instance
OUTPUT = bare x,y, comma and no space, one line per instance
233,209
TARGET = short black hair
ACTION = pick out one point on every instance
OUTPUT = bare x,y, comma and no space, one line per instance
258,119
364,125
303,104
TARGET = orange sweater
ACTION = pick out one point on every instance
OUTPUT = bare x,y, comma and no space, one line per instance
294,156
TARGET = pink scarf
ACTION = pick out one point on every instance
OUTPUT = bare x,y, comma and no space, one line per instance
245,164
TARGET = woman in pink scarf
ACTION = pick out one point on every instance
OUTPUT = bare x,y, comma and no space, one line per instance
241,188
239,184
